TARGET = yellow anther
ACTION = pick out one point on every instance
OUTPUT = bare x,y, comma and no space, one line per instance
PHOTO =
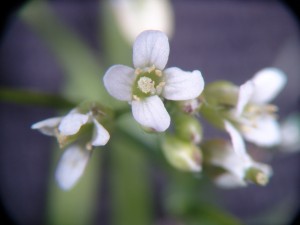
151,68
158,73
89,146
261,179
137,71
161,84
136,98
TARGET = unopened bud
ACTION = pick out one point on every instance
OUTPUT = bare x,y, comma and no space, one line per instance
221,93
181,154
256,176
190,106
188,128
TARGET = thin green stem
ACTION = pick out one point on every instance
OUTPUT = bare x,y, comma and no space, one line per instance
34,98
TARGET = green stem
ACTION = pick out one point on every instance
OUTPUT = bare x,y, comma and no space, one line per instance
35,98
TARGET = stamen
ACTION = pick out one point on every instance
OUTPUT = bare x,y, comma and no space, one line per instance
158,73
261,178
89,146
159,87
161,84
151,68
135,97
137,71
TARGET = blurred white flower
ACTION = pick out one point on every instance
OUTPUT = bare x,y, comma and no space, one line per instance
143,86
239,167
254,114
76,156
135,16
70,125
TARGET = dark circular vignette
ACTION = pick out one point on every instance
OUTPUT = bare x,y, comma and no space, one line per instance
12,6
293,6
8,10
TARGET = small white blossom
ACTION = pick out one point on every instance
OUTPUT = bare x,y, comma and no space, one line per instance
255,115
144,86
236,161
70,125
76,156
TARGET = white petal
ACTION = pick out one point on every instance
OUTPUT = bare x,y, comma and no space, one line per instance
118,81
245,94
150,48
228,180
100,136
268,83
236,139
182,85
47,126
151,113
265,132
72,122
71,166
227,158
133,17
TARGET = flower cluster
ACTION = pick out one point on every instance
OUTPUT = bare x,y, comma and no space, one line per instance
162,96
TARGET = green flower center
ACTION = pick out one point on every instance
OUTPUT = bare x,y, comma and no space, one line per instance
148,82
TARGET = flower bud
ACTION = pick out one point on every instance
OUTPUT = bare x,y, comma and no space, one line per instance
190,106
181,154
257,176
221,93
188,128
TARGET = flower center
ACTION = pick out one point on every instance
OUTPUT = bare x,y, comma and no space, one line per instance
146,85
149,81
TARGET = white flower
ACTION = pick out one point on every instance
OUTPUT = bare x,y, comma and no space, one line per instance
143,85
256,117
71,166
135,16
76,156
235,160
70,125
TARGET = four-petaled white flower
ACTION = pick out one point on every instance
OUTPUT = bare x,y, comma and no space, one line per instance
143,86
258,123
76,156
237,162
70,125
